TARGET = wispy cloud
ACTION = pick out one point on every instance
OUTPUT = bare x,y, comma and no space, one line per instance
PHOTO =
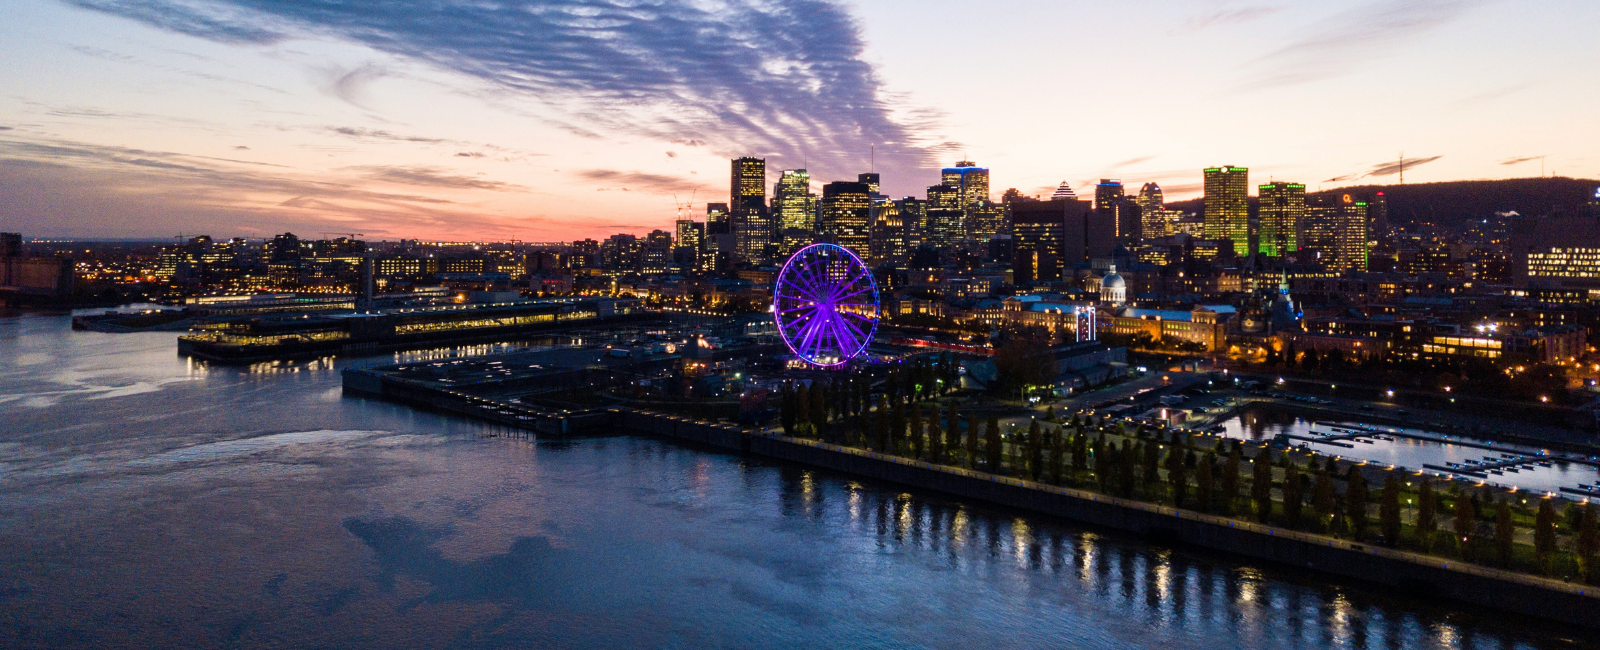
1227,17
379,134
1392,168
1520,160
1345,41
429,177
350,85
781,79
634,181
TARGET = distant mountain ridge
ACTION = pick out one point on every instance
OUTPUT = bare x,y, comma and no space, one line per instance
1451,203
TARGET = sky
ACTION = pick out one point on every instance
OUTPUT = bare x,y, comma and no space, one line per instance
556,120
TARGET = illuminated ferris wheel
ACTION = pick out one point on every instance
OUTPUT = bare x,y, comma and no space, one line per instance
825,303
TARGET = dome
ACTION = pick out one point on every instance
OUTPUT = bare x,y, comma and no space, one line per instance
1112,280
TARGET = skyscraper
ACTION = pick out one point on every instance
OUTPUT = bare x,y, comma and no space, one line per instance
1049,237
872,181
1228,207
795,210
752,231
1109,200
1064,192
889,235
844,212
1350,235
944,226
1153,220
1283,210
690,244
971,182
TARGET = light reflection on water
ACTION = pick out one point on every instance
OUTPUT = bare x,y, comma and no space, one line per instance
246,508
1411,453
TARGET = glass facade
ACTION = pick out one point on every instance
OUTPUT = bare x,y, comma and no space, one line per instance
1228,207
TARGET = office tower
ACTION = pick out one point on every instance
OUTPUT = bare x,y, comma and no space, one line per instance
1049,237
717,221
1350,236
984,220
873,183
1228,207
914,217
1378,216
1318,230
752,231
691,243
656,257
943,225
1153,220
284,249
844,215
1064,192
1109,200
1283,210
794,208
889,235
971,182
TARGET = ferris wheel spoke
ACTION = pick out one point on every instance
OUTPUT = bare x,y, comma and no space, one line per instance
852,294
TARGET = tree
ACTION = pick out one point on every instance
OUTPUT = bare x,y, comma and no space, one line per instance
1080,450
819,404
1322,501
1504,532
1588,541
897,429
1308,361
1427,515
1293,497
1230,483
1389,511
1178,476
1205,483
992,446
1058,454
1544,532
1050,414
1152,470
787,414
1102,464
971,459
880,426
1035,444
1125,468
803,405
1261,484
1355,501
1465,519
1021,362
919,442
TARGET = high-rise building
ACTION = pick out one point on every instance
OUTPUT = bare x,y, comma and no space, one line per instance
657,255
1378,216
795,209
1283,210
873,182
970,181
844,215
691,243
1594,203
1228,207
985,220
914,218
1153,220
1064,191
1110,201
752,230
889,235
944,226
717,221
1319,229
1050,237
1350,235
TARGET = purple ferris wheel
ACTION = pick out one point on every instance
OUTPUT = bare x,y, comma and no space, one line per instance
826,305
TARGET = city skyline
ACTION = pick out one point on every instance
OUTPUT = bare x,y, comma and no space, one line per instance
247,119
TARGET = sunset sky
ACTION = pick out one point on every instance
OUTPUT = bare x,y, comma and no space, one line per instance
557,120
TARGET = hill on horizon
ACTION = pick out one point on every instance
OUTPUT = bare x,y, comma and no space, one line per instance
1451,203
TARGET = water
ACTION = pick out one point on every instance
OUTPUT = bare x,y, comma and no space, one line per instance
1412,453
146,501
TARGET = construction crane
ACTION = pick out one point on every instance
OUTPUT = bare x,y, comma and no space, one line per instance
349,235
684,206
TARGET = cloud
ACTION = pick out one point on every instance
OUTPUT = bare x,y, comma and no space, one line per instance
470,154
241,148
640,180
1227,17
1518,161
782,79
1346,177
5,128
1392,168
351,85
379,134
1132,161
672,154
1342,43
430,177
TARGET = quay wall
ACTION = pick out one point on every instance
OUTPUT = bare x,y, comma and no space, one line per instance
1421,575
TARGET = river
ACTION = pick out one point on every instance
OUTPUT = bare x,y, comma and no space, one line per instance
149,501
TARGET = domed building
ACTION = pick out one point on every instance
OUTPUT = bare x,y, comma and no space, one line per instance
1113,289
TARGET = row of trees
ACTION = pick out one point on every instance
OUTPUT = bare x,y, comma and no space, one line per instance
1286,489
1512,375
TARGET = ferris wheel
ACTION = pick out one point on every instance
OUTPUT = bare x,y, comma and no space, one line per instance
825,303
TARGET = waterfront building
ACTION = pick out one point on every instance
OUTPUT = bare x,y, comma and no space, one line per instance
1283,209
844,210
1227,201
